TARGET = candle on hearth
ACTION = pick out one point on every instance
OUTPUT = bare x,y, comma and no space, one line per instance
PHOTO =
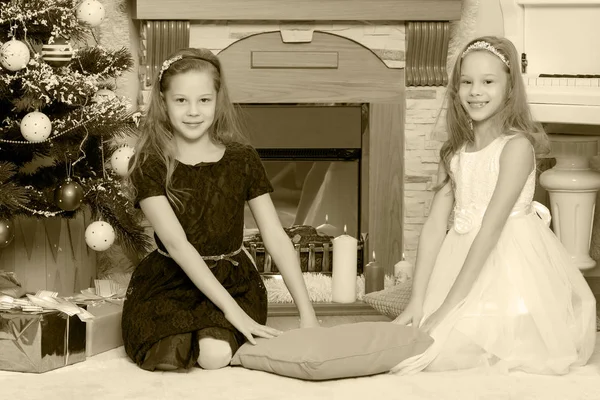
403,270
374,276
327,228
343,274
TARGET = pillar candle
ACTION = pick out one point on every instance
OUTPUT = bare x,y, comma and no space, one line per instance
327,228
403,270
343,276
374,276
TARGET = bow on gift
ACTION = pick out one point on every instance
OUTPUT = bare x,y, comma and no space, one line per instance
50,301
103,290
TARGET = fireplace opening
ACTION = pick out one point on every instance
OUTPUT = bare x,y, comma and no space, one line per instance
314,157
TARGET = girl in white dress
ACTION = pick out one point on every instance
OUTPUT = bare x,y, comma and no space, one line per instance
499,288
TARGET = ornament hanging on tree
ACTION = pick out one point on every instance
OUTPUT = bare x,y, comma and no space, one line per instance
99,235
57,54
91,12
36,127
68,196
103,95
7,232
14,55
119,160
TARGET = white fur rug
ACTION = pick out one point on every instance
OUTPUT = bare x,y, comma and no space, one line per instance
112,376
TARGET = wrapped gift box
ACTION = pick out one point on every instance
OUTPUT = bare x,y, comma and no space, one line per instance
40,342
104,331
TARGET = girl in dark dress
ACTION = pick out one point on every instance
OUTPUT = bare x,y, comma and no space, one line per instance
198,297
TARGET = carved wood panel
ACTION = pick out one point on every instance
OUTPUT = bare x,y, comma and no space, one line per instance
426,53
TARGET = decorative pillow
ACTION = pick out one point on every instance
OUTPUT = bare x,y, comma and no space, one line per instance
341,351
391,301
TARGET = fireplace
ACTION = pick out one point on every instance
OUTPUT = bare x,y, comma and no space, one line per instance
313,156
379,62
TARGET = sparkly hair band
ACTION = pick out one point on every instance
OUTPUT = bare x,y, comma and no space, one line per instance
167,63
482,45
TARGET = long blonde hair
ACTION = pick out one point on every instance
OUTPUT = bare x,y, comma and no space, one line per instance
156,135
513,117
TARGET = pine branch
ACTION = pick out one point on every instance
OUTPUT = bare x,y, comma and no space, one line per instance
11,195
43,19
7,171
108,203
101,61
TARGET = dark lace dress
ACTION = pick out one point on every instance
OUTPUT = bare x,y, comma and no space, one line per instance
165,314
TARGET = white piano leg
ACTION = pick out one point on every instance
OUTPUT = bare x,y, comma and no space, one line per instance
572,187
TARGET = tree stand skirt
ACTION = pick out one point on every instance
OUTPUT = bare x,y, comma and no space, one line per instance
51,254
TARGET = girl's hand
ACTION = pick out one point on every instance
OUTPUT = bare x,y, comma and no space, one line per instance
250,328
309,322
413,313
434,320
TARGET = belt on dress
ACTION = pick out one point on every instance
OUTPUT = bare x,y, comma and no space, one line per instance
534,207
227,256
466,219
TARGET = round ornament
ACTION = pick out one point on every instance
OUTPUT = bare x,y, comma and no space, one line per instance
68,196
103,95
7,232
99,235
57,54
119,160
14,55
91,12
36,127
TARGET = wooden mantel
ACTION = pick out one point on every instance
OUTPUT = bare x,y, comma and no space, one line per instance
298,10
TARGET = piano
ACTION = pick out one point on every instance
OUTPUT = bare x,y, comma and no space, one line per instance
559,45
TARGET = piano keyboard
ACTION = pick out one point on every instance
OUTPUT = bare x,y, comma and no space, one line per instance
562,80
571,99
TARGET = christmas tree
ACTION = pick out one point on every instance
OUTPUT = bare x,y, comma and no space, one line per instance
62,127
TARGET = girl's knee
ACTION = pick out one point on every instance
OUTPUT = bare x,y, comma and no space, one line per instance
214,353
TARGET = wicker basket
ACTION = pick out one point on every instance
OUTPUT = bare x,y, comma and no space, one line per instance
314,250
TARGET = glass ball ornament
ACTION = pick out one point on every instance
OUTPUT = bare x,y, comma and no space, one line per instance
99,235
119,161
14,55
103,95
57,54
91,13
7,232
36,127
68,195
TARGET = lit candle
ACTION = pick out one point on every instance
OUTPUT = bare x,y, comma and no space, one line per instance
327,228
403,270
374,276
343,276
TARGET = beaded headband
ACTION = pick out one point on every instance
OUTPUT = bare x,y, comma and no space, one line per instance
483,45
167,63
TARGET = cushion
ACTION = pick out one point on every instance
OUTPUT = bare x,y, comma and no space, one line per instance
391,301
341,351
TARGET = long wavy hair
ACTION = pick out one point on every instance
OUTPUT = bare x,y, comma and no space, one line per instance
513,117
156,131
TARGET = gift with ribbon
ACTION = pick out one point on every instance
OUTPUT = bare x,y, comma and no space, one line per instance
105,302
41,332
